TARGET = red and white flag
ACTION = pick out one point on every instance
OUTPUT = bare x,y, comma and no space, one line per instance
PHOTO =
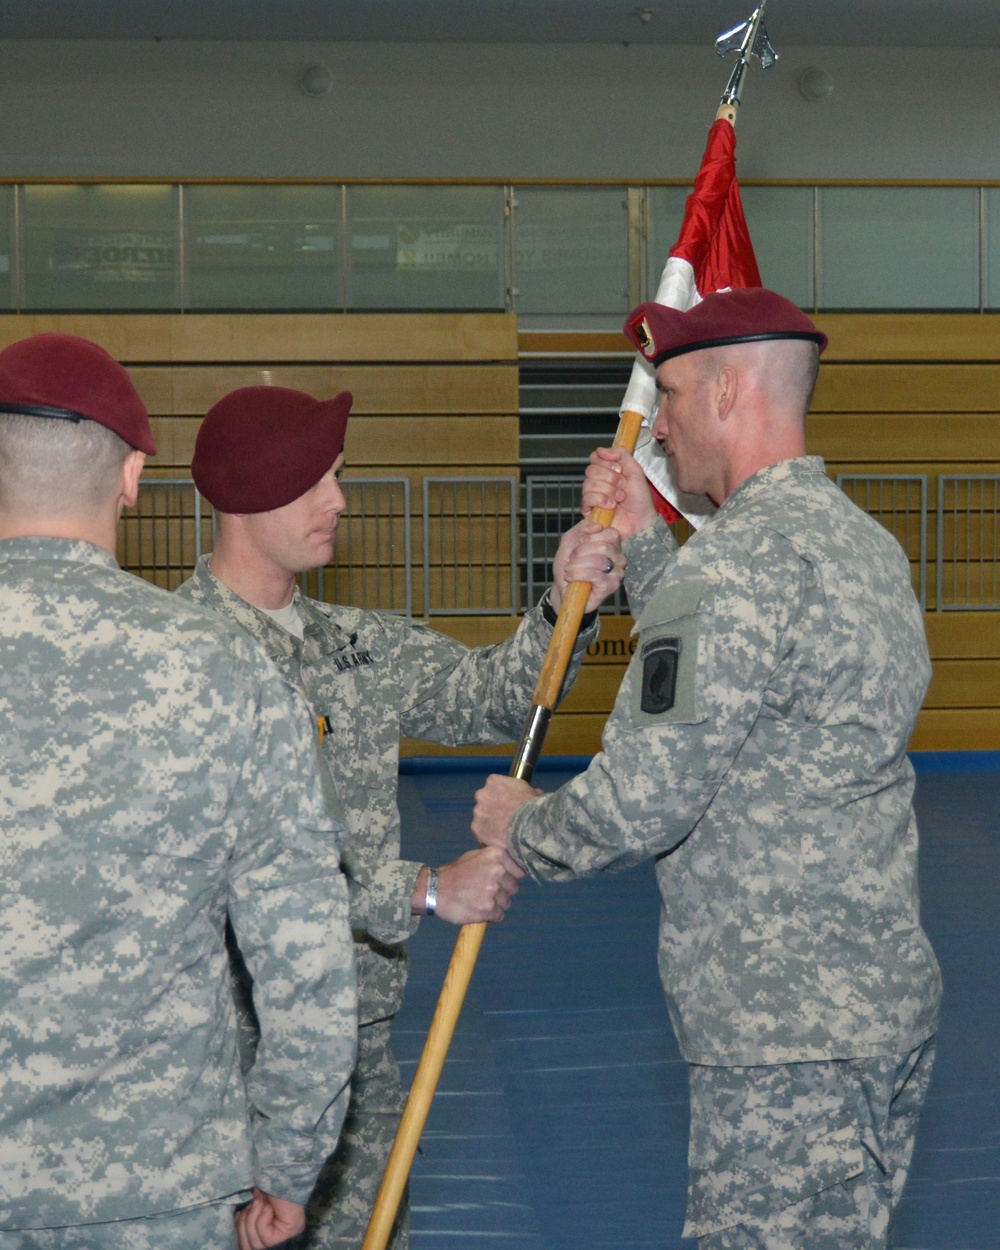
713,253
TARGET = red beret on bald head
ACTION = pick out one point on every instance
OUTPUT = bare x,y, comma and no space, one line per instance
261,447
751,314
67,378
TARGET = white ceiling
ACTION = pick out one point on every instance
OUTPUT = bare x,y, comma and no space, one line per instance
843,23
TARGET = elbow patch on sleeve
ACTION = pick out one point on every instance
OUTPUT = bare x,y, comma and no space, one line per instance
673,655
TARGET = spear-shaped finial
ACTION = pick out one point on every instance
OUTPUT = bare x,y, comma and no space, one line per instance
746,40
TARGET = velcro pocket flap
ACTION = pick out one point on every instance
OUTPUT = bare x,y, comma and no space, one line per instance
673,656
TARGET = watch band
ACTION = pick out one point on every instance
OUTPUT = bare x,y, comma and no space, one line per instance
431,895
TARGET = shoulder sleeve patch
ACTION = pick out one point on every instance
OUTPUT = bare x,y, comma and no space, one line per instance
659,674
674,655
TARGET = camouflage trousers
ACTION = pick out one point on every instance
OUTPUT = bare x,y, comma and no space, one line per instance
207,1227
342,1201
807,1156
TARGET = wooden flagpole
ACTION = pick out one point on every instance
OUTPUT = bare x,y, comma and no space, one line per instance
748,39
470,937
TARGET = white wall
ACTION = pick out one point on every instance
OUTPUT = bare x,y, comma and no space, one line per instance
511,111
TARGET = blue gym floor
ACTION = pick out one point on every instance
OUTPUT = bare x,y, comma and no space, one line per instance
561,1118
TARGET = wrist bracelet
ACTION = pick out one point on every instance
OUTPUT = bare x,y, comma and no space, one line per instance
431,895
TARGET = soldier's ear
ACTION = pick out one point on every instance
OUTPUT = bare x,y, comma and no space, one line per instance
727,386
131,473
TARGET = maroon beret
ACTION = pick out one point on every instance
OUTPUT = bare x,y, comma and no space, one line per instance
750,314
260,447
70,379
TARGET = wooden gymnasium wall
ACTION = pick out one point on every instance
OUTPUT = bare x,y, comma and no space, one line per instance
436,394
897,394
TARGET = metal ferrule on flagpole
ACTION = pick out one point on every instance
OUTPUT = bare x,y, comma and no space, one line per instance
532,740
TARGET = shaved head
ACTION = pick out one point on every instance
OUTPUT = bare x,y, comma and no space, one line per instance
784,371
54,468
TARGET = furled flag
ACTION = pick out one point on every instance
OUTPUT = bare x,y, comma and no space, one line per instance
713,253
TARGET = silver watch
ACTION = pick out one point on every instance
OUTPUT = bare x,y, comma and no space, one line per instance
431,897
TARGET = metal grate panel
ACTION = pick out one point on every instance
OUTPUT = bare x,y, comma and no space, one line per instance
551,507
372,565
968,543
164,534
470,546
899,502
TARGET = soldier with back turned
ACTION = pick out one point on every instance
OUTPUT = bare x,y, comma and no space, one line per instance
145,752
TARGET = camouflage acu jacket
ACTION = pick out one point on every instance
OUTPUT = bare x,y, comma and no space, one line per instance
146,748
375,678
757,751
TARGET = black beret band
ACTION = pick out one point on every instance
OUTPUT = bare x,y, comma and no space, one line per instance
43,410
818,339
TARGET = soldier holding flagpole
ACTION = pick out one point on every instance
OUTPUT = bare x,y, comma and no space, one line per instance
757,752
693,477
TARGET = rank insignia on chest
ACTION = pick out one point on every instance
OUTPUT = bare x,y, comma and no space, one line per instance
659,675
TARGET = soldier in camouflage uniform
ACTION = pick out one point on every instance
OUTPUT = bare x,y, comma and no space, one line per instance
268,459
146,748
757,752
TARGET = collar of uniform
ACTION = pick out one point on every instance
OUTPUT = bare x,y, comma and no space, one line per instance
258,624
773,475
71,550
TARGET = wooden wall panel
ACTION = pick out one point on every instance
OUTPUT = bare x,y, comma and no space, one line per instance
897,393
964,684
389,446
963,337
884,388
595,690
906,442
262,338
128,338
957,729
416,389
880,337
907,393
963,635
398,442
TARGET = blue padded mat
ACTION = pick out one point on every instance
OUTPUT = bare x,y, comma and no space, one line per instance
561,1118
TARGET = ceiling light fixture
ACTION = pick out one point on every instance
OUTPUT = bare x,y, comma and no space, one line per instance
315,80
815,85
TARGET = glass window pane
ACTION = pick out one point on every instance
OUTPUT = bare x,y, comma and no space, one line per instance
6,221
991,296
271,247
100,247
780,221
425,247
899,247
571,251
